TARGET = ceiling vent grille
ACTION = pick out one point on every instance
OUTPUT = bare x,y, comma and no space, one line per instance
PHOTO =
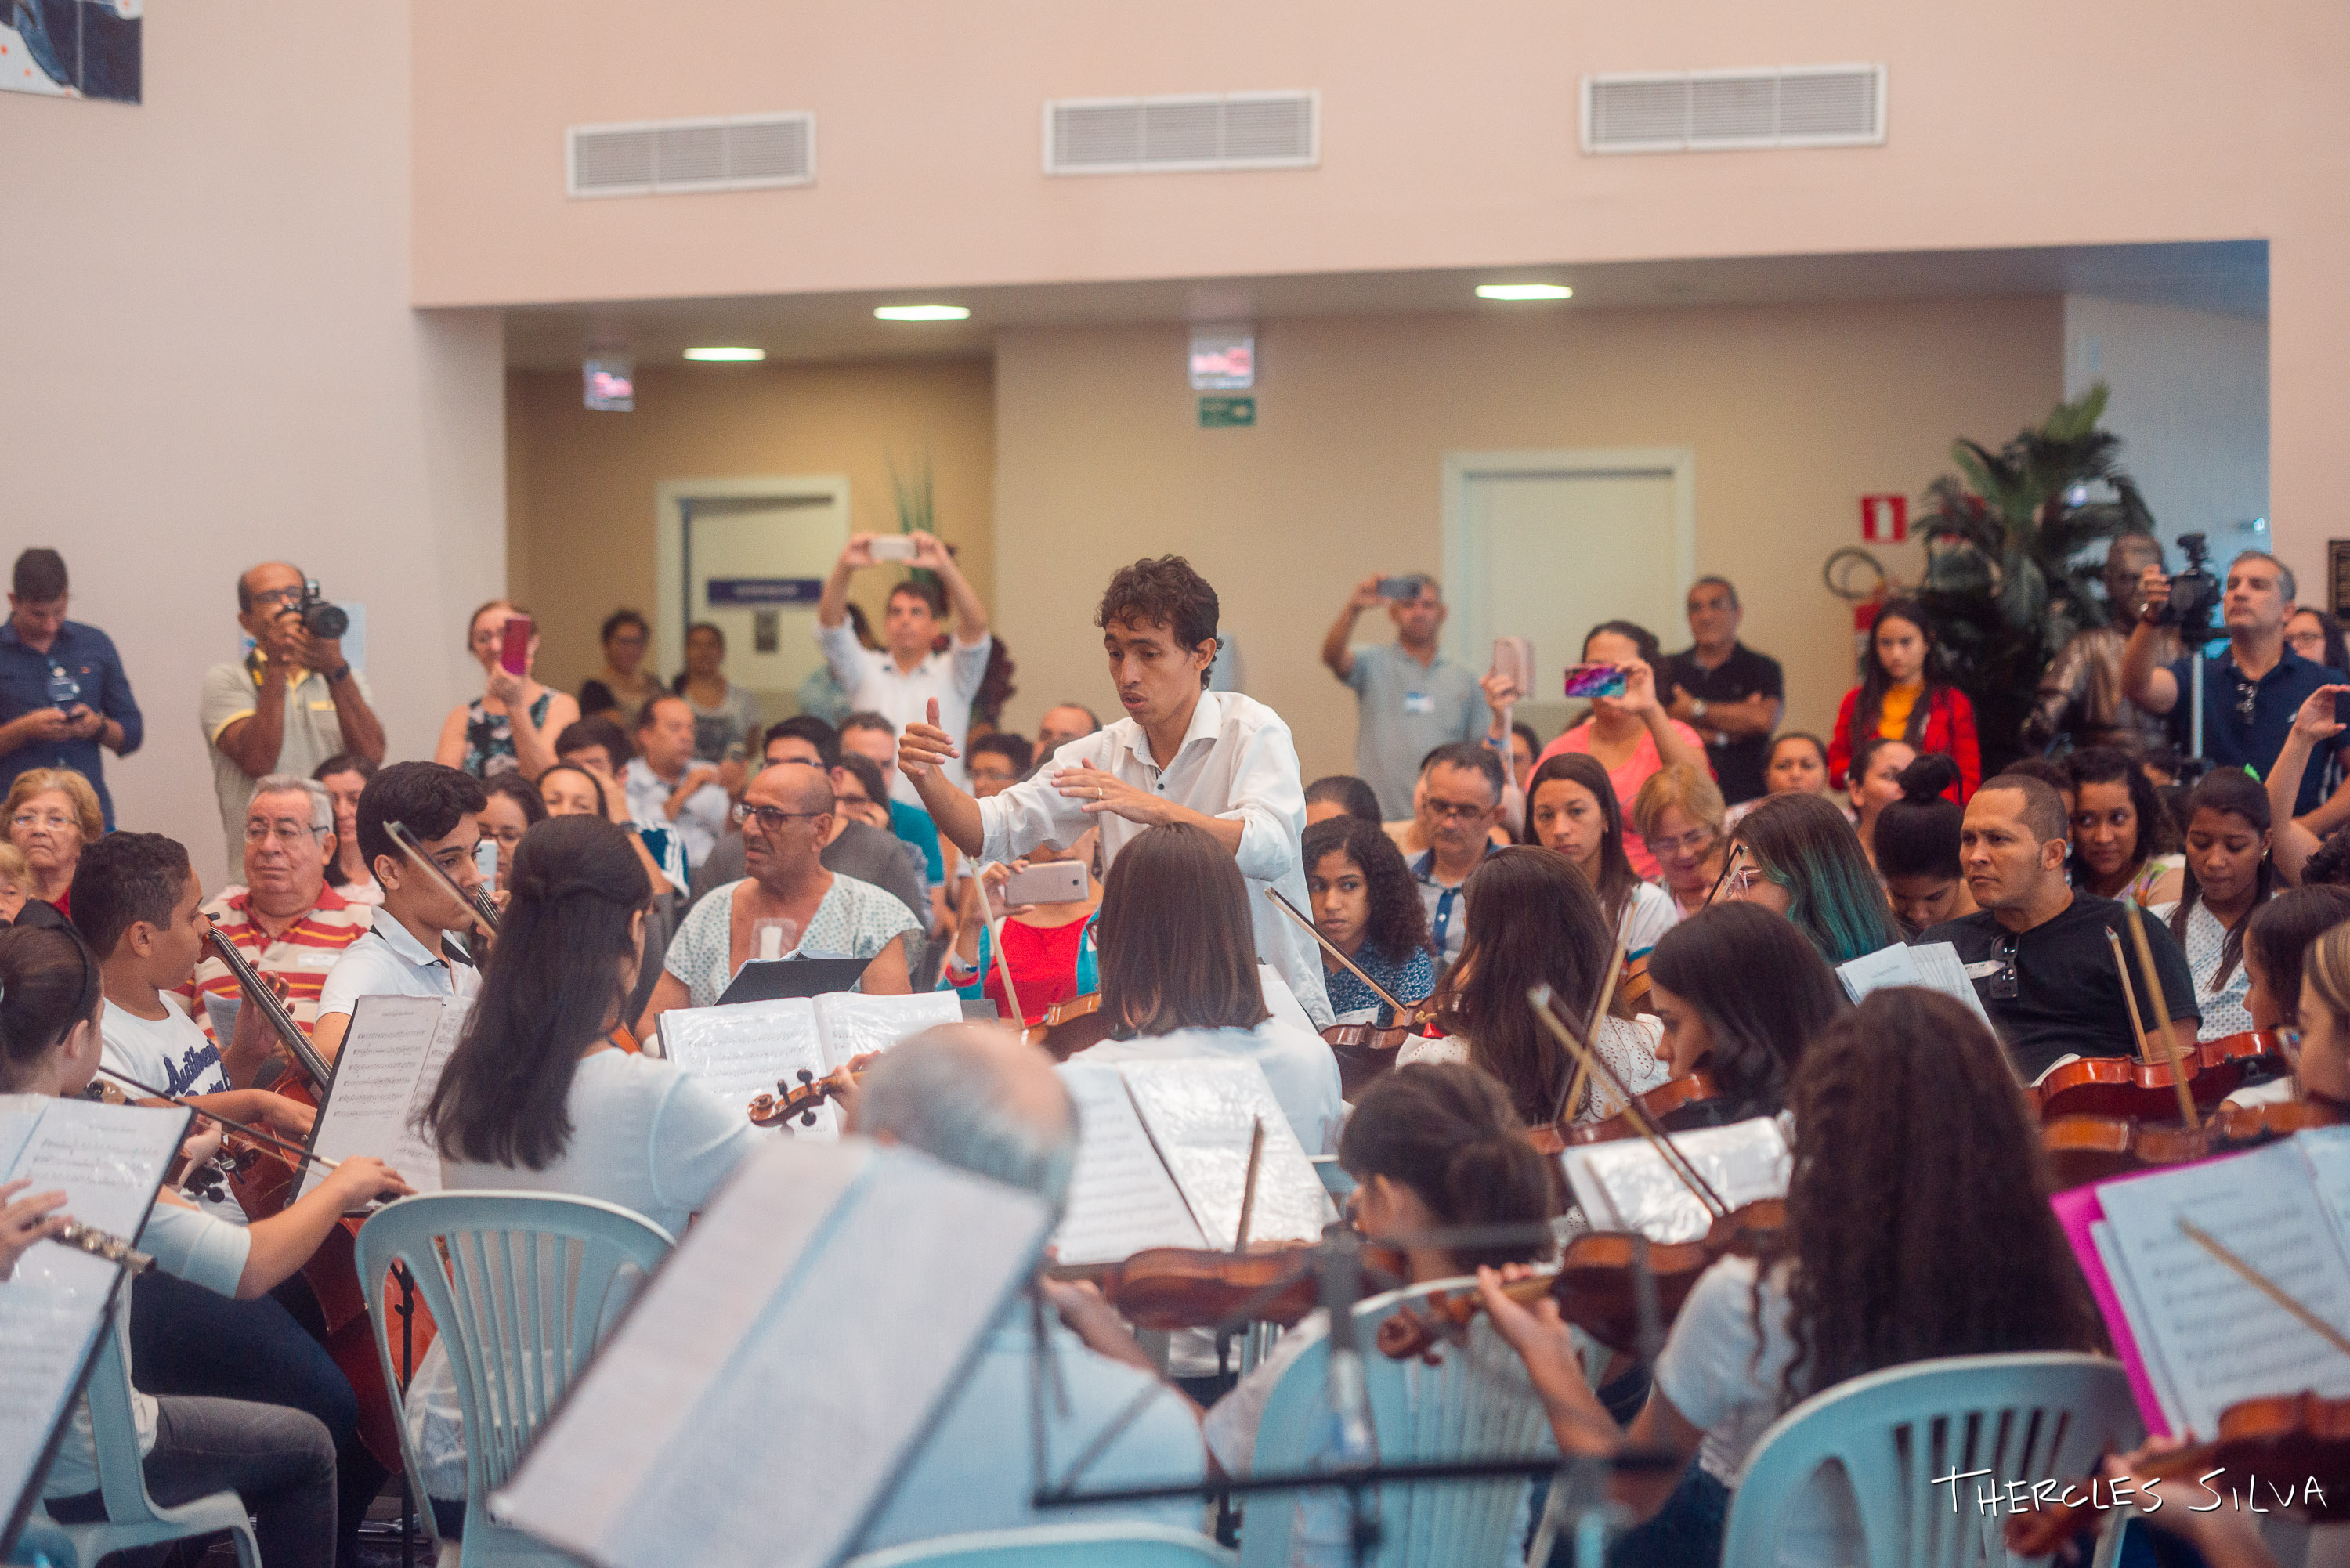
668,156
1168,135
1704,112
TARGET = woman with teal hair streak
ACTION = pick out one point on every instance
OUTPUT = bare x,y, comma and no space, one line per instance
1796,856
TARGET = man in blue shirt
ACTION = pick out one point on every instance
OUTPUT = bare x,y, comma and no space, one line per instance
2251,691
63,694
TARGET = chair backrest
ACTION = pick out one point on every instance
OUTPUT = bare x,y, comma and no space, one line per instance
114,1426
522,1286
1056,1546
1475,1402
2039,1415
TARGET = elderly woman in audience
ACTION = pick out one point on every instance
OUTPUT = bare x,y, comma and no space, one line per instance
52,813
1875,783
621,688
1572,808
1365,904
344,776
1917,848
1899,698
1795,855
1796,763
1679,811
1630,734
2124,840
513,723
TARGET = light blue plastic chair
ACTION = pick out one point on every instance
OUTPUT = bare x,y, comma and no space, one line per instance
132,1517
2041,1416
1058,1546
523,1285
1474,1403
1337,1179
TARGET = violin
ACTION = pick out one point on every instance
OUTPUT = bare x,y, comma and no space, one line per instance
1676,1106
2129,1086
1166,1288
801,1100
1069,1027
2083,1149
1366,1050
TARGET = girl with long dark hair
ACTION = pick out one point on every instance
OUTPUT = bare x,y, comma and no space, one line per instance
1365,904
2123,836
1803,861
1899,698
2228,875
1706,985
1571,807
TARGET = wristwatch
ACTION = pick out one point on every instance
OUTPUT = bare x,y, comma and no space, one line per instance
335,677
1696,708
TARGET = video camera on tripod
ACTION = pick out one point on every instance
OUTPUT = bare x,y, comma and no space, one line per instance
2194,595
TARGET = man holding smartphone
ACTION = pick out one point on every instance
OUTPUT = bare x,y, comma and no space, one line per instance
1409,698
63,694
901,681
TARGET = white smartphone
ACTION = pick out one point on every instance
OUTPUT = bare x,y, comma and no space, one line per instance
485,861
1053,882
1513,659
893,546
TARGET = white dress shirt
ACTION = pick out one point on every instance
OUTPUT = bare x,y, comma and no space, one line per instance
1236,763
390,961
701,822
875,684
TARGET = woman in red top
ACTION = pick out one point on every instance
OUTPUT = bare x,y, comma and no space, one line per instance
1898,700
1049,947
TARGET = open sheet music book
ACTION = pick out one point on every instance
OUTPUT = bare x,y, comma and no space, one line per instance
1933,965
1625,1184
108,1160
2196,1336
744,1049
1162,1158
384,1076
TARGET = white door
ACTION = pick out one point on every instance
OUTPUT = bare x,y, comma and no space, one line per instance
1547,544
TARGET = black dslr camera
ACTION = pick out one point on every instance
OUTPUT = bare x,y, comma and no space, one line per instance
2194,593
321,619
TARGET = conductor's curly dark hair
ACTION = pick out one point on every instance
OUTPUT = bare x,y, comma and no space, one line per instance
1398,921
1166,592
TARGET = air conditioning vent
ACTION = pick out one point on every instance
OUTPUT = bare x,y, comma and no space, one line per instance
657,158
1705,111
1217,131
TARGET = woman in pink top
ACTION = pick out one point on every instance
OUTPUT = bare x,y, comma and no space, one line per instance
1630,734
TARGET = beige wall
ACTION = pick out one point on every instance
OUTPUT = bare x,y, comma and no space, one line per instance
210,360
581,498
1793,413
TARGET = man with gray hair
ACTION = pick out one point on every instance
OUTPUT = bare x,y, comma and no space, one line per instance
1409,698
976,1099
285,919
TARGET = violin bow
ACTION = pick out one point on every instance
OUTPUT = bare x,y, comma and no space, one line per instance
297,1150
1637,1114
1401,1011
397,832
1591,1032
2129,992
2266,1286
1004,967
1737,850
2162,1015
1248,1191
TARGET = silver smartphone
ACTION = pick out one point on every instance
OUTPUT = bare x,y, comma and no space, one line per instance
485,861
893,547
1513,660
1053,882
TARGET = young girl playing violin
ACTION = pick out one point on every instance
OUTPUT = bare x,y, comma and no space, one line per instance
2228,875
1747,1036
2319,1042
280,1462
2278,937
1907,1115
1571,807
1048,947
1366,906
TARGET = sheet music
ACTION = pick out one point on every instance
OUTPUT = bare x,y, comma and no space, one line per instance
1199,1111
2158,1375
850,1024
49,1331
1625,1185
2222,1340
1121,1199
2326,1150
744,1049
385,1056
107,1160
1932,965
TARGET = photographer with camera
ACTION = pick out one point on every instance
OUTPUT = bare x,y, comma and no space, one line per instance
288,705
2251,691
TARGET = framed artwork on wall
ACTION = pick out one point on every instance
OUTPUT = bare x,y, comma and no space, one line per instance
71,48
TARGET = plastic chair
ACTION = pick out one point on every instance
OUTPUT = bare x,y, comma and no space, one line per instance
522,1286
132,1517
1474,1403
2041,1416
1056,1546
42,1544
1337,1180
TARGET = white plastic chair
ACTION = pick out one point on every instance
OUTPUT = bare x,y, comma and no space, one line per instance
1056,1546
2040,1416
132,1517
522,1286
1474,1403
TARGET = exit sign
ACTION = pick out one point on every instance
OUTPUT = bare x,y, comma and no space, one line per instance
1227,413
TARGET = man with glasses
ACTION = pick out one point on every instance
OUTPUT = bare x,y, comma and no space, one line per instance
288,706
285,921
1457,808
2037,949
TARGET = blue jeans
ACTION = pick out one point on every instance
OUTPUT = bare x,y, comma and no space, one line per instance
278,1461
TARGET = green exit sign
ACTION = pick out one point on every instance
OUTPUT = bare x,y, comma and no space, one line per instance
1227,413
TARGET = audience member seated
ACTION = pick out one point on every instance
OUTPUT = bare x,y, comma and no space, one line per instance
2122,833
2317,637
2057,775
1340,794
597,744
1796,856
669,786
2229,876
1366,906
1179,976
538,1096
52,816
726,716
514,804
1060,725
2036,949
976,1100
573,789
17,905
405,952
898,684
868,735
1679,812
1410,699
1049,947
1796,763
1526,745
1459,802
2278,937
996,762
1533,920
1631,734
1732,696
1917,848
1905,1095
1874,784
343,778
1572,809
1899,698
786,817
619,690
285,921
858,848
1747,1037
515,722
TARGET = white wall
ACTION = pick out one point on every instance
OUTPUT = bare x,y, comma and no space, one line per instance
2190,402
207,358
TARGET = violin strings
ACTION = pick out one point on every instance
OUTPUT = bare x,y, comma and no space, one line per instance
297,1150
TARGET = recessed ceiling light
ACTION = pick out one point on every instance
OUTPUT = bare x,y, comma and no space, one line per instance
727,356
922,312
1525,291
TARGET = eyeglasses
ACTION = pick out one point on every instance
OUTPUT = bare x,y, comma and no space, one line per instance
1451,811
268,597
509,837
1693,843
286,833
771,818
2003,984
36,819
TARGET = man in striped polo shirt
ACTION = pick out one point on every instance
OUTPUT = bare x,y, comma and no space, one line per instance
285,921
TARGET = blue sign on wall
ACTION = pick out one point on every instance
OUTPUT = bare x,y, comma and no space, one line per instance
765,590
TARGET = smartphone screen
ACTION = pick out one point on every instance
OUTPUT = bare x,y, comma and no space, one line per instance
1054,882
514,652
485,861
1513,660
894,548
1402,590
1594,680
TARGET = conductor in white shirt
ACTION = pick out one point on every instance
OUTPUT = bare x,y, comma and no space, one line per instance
1216,759
907,681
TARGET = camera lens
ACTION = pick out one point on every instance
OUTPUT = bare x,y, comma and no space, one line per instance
326,621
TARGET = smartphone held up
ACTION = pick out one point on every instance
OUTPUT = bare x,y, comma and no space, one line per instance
514,646
1595,681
